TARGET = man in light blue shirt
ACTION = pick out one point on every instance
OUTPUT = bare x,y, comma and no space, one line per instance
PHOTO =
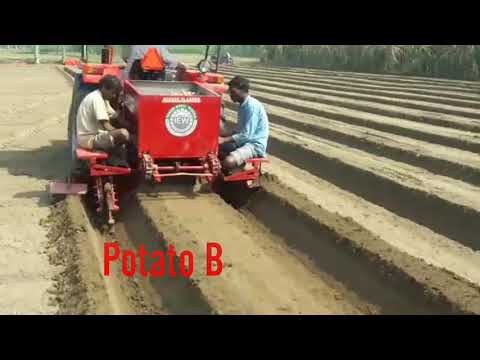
251,137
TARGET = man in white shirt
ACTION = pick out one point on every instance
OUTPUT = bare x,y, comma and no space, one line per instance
94,130
136,53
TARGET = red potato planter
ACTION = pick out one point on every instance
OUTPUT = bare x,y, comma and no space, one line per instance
174,125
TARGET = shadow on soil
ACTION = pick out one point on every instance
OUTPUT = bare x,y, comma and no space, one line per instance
44,163
41,196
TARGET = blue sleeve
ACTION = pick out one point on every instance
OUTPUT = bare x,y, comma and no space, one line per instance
248,120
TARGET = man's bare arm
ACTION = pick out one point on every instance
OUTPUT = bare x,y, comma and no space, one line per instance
225,139
106,125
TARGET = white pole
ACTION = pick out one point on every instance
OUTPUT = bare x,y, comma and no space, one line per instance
37,54
63,54
84,53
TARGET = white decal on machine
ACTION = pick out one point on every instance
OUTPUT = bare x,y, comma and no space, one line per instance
181,120
179,100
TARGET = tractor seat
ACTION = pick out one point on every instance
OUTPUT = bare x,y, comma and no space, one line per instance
83,154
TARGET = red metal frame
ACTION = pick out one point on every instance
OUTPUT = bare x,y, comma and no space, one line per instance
93,73
106,170
204,170
99,170
213,82
249,174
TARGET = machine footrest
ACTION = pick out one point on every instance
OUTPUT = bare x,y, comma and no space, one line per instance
64,188
83,154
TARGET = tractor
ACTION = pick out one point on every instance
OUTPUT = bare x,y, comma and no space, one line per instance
176,129
213,61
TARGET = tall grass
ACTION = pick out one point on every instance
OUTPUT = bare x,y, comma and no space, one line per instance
187,49
449,61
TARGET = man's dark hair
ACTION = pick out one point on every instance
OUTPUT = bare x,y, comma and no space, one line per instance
110,82
240,83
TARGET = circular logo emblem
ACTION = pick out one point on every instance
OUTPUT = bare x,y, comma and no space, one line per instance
181,120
